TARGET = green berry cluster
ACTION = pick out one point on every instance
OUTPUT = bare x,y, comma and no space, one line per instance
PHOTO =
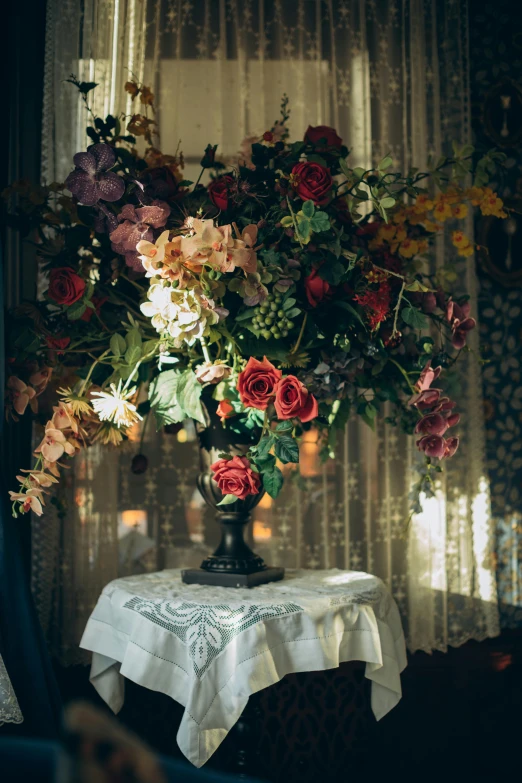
270,320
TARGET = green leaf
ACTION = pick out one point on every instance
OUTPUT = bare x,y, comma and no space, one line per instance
133,354
308,209
320,222
227,500
264,446
75,311
118,344
286,222
385,163
341,414
358,172
188,393
272,481
347,306
387,202
284,426
304,230
163,400
293,313
245,315
133,338
289,303
287,450
414,318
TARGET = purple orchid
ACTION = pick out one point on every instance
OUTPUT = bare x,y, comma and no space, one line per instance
91,180
135,225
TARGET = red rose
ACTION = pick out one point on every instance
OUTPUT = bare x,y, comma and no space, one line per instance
57,343
323,135
293,400
312,182
236,477
256,384
219,191
225,410
316,288
65,286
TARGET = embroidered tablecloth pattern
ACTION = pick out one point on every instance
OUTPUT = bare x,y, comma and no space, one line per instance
211,648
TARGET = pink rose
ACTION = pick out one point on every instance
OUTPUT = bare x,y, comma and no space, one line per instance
256,384
236,477
293,400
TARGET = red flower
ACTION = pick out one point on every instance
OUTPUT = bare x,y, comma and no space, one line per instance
98,302
65,286
268,136
323,135
256,384
376,303
236,477
312,182
293,400
224,410
316,288
57,343
219,191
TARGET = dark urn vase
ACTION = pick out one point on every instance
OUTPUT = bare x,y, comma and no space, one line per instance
233,564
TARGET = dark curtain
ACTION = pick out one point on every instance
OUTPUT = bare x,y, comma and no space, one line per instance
21,641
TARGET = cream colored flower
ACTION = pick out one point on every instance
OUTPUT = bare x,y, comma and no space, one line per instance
37,478
63,418
31,500
152,254
54,444
22,395
212,372
114,406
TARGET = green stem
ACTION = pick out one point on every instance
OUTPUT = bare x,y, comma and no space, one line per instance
404,373
294,222
93,365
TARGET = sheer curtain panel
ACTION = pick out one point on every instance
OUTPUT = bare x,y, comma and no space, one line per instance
392,77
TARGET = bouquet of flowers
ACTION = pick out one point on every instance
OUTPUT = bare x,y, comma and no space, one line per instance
289,292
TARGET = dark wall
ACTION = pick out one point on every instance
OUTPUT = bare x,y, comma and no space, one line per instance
496,86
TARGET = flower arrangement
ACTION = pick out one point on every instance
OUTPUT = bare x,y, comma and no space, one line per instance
289,292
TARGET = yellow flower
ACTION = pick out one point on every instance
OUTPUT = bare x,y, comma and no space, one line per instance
492,205
408,248
80,406
459,239
442,211
386,232
399,216
108,434
460,211
423,203
466,251
475,195
432,227
423,245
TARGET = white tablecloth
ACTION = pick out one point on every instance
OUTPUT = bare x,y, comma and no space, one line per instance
211,648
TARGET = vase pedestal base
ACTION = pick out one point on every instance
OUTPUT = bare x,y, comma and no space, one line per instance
198,576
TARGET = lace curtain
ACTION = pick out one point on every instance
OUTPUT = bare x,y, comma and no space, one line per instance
392,77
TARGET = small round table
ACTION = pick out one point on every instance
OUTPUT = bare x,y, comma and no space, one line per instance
210,648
